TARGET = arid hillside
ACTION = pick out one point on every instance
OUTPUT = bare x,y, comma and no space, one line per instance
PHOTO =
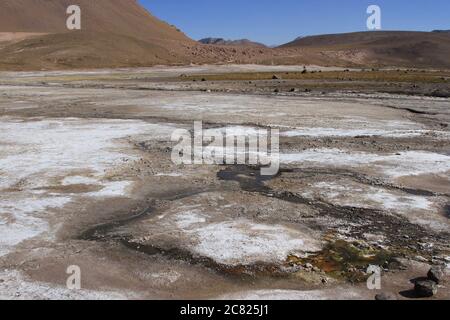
381,48
124,17
33,35
121,33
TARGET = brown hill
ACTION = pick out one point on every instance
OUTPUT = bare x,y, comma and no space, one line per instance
125,17
121,33
380,48
114,33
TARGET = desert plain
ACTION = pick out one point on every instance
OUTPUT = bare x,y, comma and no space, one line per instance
86,179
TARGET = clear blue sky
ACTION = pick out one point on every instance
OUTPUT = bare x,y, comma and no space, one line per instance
276,22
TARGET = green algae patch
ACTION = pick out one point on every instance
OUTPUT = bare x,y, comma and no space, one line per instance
343,259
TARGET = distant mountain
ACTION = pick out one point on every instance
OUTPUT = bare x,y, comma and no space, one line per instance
240,42
441,31
380,48
121,33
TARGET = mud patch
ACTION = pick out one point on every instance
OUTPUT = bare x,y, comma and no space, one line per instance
215,230
249,178
178,254
349,220
345,192
101,232
393,166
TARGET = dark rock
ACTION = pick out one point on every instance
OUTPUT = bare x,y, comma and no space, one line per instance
425,288
436,274
385,296
439,94
275,77
397,264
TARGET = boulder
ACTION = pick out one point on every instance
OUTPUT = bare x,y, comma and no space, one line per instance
436,274
425,288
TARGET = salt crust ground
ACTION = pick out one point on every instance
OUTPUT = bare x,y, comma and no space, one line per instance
43,153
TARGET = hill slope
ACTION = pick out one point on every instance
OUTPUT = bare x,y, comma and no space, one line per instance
121,33
125,17
383,48
114,33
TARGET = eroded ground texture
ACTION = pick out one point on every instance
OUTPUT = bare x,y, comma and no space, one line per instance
86,179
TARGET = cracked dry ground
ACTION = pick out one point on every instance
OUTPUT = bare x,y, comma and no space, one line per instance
87,179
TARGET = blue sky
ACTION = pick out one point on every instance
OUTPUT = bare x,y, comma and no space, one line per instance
276,22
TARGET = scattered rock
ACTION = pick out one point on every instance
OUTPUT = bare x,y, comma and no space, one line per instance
436,274
384,296
439,94
425,288
397,264
420,259
275,77
425,246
